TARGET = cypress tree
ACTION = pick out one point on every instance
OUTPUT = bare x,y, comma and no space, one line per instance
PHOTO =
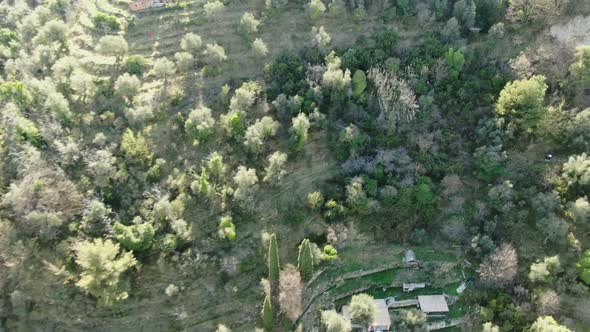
273,261
305,260
267,315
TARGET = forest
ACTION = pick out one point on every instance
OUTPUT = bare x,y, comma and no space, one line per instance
295,165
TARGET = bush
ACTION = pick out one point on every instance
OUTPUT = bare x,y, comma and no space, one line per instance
106,21
136,237
134,65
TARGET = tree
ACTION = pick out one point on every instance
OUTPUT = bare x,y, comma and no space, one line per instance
335,78
227,229
257,133
127,86
576,171
134,65
136,147
489,327
248,23
451,32
579,210
274,266
525,11
521,102
305,260
316,8
397,101
315,200
335,322
259,48
329,253
16,92
543,271
580,70
222,328
321,38
413,320
191,43
548,302
200,124
547,324
464,11
54,31
455,61
106,22
499,268
213,9
554,228
184,61
491,162
102,265
291,292
359,83
362,309
136,237
246,181
267,315
215,165
299,131
214,54
583,266
115,46
245,96
163,69
275,170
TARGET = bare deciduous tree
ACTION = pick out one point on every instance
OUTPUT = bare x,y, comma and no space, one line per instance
499,268
291,292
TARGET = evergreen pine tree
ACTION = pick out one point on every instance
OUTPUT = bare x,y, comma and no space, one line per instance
273,260
267,315
305,260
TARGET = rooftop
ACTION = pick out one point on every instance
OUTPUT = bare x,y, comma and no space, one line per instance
433,303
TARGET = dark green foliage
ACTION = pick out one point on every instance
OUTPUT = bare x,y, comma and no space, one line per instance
137,237
286,75
134,65
274,266
106,21
305,260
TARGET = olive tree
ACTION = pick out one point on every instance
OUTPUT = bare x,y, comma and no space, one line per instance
335,322
115,46
362,309
200,124
246,182
275,170
299,129
214,54
257,133
248,23
191,43
259,48
213,8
